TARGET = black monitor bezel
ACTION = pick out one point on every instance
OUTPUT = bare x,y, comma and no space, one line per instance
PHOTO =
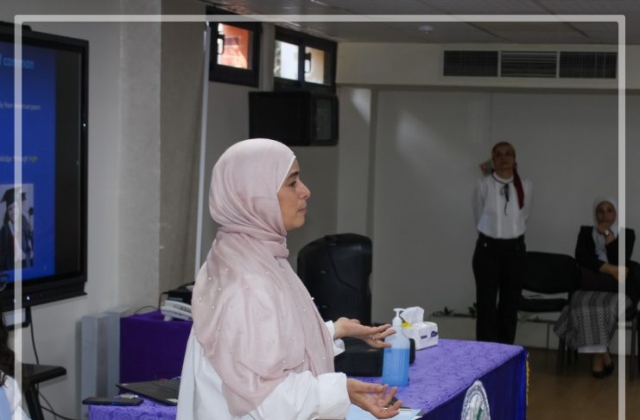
68,285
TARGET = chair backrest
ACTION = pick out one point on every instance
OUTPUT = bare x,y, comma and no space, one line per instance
550,273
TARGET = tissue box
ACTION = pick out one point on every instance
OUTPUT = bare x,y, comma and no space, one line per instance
425,334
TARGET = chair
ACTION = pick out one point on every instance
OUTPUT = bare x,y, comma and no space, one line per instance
633,323
633,319
32,376
547,274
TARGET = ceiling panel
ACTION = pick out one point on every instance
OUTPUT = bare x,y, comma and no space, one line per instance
599,32
567,33
536,33
591,7
380,7
400,32
485,7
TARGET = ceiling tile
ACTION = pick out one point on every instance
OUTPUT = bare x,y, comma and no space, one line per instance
485,7
478,32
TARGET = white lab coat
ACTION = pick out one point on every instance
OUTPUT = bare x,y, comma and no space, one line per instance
13,397
301,396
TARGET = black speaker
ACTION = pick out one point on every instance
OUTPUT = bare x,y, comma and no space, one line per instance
336,270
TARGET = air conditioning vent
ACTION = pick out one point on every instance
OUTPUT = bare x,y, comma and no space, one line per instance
547,64
528,64
595,65
471,63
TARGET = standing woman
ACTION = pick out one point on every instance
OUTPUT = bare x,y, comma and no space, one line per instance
501,204
259,348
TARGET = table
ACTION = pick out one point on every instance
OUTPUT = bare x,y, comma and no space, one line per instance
440,376
32,376
151,348
146,411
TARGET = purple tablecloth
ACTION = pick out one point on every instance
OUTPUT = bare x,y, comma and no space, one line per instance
440,376
148,410
151,348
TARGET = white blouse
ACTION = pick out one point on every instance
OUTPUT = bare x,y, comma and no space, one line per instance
494,215
14,398
299,396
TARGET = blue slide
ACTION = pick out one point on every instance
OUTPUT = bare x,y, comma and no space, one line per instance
35,196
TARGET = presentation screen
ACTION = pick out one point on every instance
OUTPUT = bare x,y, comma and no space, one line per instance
50,150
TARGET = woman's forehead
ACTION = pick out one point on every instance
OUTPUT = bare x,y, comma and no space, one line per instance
604,204
503,148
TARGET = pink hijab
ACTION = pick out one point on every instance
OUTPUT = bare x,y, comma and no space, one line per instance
251,313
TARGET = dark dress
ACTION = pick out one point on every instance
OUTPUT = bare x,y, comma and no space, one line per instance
591,317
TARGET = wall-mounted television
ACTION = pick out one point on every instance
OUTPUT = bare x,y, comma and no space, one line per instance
51,199
295,118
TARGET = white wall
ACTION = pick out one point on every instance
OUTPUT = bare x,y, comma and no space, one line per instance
426,163
356,133
227,123
319,172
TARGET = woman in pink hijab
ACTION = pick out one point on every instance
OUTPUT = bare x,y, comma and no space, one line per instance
258,348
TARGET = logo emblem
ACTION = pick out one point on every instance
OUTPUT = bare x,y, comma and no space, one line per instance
476,404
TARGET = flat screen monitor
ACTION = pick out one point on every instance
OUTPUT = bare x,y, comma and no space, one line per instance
295,118
51,197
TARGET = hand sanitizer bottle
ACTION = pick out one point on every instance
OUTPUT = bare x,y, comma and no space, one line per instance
395,364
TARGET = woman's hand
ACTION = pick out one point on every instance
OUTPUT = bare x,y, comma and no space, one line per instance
603,227
373,398
615,271
373,336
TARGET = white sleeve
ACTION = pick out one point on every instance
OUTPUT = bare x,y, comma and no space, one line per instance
14,395
303,396
298,396
338,345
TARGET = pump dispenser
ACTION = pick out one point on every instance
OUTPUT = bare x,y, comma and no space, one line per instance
395,364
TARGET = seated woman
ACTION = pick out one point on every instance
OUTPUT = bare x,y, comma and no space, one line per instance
259,348
589,322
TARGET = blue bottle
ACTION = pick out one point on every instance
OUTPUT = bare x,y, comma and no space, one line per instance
395,363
